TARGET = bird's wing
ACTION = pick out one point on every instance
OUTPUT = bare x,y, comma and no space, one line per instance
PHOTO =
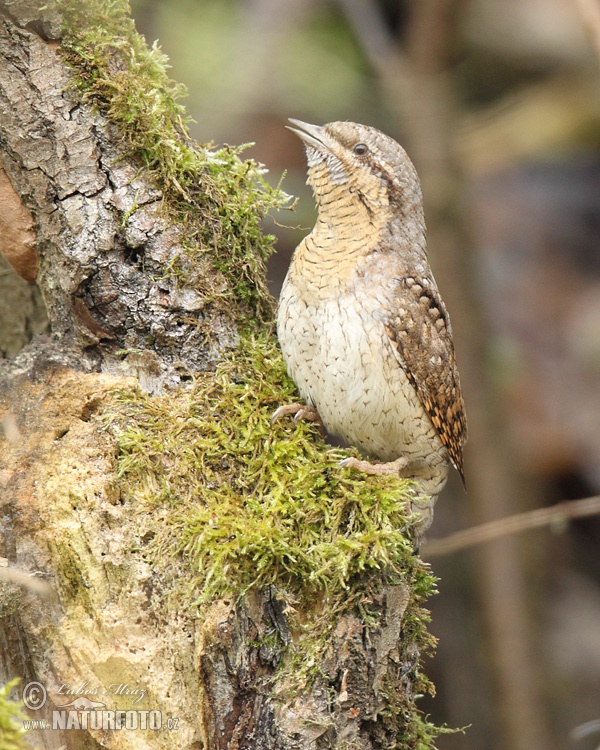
419,329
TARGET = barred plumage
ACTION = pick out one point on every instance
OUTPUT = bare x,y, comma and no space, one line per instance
363,329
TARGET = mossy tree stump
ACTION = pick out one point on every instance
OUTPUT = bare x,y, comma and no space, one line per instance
193,560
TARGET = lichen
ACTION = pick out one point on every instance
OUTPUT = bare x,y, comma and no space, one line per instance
219,197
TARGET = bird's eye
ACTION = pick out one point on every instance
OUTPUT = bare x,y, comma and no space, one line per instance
361,149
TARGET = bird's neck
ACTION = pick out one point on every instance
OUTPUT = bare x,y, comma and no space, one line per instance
344,240
345,232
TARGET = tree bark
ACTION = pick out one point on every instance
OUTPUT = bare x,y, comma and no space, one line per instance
102,243
95,616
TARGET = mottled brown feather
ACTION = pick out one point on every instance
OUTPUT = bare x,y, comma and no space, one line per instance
422,339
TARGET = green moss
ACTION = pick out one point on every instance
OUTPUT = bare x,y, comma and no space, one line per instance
252,505
11,719
219,197
247,506
405,727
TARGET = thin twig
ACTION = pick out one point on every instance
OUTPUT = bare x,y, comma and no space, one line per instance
556,515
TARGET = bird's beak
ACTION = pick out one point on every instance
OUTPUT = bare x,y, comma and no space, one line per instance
312,135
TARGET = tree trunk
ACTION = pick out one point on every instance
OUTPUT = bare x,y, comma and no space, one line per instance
151,276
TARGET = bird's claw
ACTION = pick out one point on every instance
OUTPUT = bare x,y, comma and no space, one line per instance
382,469
284,410
299,411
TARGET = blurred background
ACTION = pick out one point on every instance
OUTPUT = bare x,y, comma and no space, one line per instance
498,104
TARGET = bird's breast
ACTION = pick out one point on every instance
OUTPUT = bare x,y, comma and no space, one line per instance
340,357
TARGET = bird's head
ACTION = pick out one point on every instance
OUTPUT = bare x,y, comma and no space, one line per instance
348,159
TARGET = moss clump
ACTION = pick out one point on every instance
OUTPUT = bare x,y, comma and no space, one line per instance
220,197
250,506
11,719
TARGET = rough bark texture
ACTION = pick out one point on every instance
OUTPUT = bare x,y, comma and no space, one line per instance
102,244
107,618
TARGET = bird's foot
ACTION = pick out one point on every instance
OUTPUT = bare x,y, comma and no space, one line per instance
380,470
300,411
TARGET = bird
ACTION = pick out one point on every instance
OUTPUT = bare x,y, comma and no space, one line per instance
363,330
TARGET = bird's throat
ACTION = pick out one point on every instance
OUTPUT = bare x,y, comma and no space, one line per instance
330,256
